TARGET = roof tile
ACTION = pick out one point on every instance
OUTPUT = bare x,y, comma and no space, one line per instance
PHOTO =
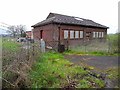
64,19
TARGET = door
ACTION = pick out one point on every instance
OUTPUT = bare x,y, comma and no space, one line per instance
41,34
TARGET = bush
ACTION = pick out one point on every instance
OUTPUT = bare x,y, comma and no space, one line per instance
113,42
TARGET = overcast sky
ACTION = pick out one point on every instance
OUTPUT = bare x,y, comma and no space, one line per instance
30,12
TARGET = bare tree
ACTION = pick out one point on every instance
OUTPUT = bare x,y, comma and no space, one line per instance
18,30
21,29
12,30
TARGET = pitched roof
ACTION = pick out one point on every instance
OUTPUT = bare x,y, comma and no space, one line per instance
70,20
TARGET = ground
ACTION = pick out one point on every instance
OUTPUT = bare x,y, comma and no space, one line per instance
99,62
107,65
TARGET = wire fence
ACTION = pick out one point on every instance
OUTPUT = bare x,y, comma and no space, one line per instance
107,46
17,64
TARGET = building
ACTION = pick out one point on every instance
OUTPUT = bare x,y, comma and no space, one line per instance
28,34
59,29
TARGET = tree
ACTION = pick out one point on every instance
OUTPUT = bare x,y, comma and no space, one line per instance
22,30
12,30
18,30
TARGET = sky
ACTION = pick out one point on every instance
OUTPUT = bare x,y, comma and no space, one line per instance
30,12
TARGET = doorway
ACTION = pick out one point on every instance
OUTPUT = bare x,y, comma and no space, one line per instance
41,34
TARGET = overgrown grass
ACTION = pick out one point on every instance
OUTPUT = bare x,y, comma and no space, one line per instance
9,49
113,40
97,48
10,45
53,71
107,48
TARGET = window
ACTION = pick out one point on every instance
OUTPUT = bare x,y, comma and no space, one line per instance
93,34
71,34
65,34
102,35
81,34
99,34
76,34
96,34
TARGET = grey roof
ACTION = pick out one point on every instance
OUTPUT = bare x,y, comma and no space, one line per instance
70,20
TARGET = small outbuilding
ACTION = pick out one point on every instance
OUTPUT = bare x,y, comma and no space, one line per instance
58,29
28,34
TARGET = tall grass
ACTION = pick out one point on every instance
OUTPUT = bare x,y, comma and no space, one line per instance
108,47
9,45
113,42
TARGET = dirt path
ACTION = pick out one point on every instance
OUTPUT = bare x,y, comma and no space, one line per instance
100,62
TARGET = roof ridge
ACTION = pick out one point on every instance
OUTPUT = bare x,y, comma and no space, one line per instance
69,16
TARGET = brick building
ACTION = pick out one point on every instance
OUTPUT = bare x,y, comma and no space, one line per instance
68,30
28,34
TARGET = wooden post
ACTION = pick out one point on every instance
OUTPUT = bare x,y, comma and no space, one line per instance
59,35
67,45
59,38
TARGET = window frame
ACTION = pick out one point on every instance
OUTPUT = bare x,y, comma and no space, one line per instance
76,34
73,37
94,34
67,34
102,35
80,34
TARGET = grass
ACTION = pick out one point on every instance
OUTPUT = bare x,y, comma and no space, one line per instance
52,71
9,49
9,45
108,48
113,73
93,53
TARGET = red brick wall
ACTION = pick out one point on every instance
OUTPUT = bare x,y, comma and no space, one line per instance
76,42
28,34
47,31
51,33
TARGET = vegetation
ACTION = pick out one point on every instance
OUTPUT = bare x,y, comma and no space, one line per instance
17,30
10,45
113,72
113,40
52,70
9,48
16,61
108,48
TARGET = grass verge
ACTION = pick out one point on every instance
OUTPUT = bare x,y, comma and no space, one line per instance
93,53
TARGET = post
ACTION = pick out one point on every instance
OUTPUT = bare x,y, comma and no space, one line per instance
59,35
59,39
42,45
